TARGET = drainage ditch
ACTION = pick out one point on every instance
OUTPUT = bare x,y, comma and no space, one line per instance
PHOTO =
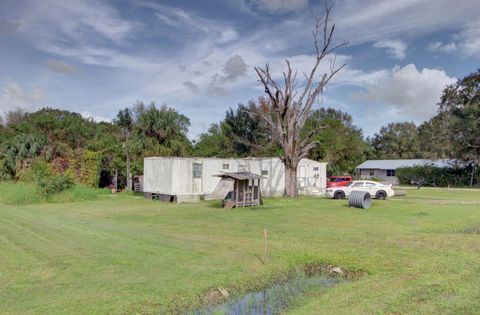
280,296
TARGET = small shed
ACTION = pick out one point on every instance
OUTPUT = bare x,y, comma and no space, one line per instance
238,189
138,183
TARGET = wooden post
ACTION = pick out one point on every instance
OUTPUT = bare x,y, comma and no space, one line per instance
265,238
237,182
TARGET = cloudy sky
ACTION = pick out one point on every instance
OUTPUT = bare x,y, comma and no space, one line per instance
95,57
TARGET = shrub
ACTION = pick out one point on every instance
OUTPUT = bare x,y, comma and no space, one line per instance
85,167
434,176
35,169
5,172
53,184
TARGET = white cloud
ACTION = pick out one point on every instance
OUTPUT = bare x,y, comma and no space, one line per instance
191,86
60,66
395,47
281,5
78,21
188,23
88,115
13,96
412,92
227,36
470,38
89,31
363,21
216,89
233,69
440,47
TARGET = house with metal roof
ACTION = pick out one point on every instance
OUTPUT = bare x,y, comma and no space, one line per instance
385,169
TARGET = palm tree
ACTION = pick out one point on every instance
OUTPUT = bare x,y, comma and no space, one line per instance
125,121
19,150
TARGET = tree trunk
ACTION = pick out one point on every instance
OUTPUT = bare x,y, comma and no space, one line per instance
129,174
472,175
290,181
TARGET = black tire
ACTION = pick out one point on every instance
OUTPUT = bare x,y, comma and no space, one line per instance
381,195
339,195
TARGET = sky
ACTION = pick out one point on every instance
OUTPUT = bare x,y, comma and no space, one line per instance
96,57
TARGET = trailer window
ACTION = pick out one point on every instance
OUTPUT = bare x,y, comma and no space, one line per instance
197,170
225,166
242,168
265,172
315,169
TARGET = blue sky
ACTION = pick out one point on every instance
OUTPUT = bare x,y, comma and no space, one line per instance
96,57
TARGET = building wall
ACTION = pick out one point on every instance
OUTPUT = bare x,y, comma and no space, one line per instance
157,175
365,174
316,174
174,176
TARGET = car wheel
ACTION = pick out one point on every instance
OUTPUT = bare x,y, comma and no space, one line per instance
339,195
381,195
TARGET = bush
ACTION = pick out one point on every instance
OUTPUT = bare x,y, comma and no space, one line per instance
434,176
84,167
53,184
35,169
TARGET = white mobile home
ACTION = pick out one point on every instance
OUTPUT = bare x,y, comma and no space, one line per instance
186,179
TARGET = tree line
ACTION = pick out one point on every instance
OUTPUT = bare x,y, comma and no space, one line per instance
92,151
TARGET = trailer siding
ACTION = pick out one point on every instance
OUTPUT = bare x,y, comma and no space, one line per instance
175,176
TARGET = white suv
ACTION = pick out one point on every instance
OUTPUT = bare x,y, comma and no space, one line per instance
376,190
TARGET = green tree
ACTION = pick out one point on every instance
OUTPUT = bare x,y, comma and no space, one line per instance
434,137
56,136
215,142
249,133
397,141
125,121
160,131
240,134
56,125
19,151
108,143
461,102
340,142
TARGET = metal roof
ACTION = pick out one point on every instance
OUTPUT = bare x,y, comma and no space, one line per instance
239,175
394,164
223,159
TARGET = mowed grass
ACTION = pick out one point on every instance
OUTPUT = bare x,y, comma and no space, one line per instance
127,255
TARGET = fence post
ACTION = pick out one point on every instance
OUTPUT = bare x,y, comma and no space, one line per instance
265,238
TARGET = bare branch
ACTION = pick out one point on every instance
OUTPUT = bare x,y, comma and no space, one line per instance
290,107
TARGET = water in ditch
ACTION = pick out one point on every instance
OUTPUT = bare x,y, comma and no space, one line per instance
272,300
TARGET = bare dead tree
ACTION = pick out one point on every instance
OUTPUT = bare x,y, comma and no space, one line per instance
289,105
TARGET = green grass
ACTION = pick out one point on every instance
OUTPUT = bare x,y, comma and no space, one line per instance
23,193
124,254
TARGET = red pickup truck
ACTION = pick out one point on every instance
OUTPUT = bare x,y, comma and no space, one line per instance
337,181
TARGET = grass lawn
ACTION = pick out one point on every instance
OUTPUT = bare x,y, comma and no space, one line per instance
128,255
